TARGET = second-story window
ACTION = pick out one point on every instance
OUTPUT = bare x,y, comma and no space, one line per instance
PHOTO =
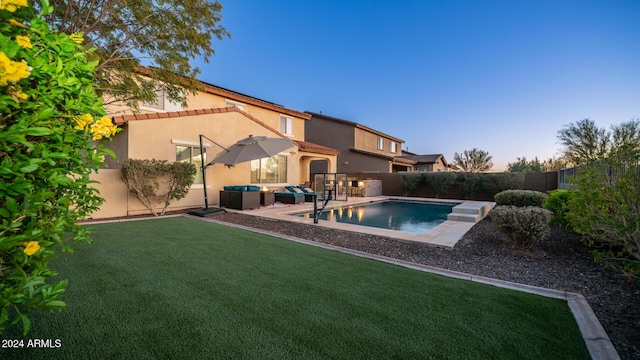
380,143
157,103
392,146
235,105
286,125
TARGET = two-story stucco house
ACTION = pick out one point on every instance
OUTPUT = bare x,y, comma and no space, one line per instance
362,149
165,131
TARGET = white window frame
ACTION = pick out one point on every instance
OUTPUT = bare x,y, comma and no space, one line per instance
195,146
162,104
287,127
231,103
393,146
260,162
380,143
158,104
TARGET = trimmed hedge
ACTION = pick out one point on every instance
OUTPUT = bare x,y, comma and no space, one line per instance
520,198
525,226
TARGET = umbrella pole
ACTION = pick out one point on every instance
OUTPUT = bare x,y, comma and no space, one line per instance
204,175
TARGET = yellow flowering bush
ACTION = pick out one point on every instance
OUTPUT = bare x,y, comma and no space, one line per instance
51,127
12,5
23,41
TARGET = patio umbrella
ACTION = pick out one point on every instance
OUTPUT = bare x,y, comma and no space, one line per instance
252,148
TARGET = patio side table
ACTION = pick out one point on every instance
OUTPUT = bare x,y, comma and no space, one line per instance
267,198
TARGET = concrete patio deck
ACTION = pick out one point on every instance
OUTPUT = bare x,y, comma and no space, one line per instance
447,234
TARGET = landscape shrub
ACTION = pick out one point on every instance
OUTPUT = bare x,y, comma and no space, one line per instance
605,209
157,182
470,184
410,181
50,119
520,198
440,182
525,226
558,203
498,182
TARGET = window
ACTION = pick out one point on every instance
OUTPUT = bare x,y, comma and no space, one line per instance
380,143
286,125
234,104
158,102
392,146
271,170
191,154
424,168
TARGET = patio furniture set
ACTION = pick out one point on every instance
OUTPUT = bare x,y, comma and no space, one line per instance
244,197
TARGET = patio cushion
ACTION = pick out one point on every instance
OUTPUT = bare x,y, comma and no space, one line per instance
289,194
305,189
242,188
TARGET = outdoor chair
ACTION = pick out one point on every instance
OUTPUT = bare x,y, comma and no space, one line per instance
290,196
240,197
308,194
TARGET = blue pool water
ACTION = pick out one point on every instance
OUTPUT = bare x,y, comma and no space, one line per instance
412,217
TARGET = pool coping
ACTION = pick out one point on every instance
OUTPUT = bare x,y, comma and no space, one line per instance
444,235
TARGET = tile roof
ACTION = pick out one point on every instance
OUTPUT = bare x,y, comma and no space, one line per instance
372,154
315,148
402,160
425,159
354,124
234,95
302,145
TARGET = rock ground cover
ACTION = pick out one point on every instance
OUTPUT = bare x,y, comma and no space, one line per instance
561,262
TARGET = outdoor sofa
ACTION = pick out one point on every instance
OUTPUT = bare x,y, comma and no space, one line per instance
240,197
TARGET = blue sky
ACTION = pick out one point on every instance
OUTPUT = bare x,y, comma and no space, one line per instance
444,76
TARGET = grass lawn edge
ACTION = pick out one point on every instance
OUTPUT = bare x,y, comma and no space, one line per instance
595,337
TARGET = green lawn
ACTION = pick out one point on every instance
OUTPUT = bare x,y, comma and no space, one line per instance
184,288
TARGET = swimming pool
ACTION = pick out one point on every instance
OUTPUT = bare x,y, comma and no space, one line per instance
414,217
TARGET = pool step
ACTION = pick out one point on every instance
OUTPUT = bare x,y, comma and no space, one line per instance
470,211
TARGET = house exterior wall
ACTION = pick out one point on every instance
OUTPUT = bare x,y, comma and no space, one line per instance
345,136
359,162
336,135
368,141
268,116
223,128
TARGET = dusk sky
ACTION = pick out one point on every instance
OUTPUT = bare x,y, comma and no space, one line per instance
444,76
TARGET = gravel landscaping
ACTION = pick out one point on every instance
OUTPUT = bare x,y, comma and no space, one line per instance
562,262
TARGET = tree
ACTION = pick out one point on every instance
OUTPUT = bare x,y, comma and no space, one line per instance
605,207
522,165
583,141
166,33
474,160
50,121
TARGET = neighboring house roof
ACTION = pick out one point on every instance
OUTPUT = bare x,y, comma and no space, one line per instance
402,160
302,145
354,124
425,159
